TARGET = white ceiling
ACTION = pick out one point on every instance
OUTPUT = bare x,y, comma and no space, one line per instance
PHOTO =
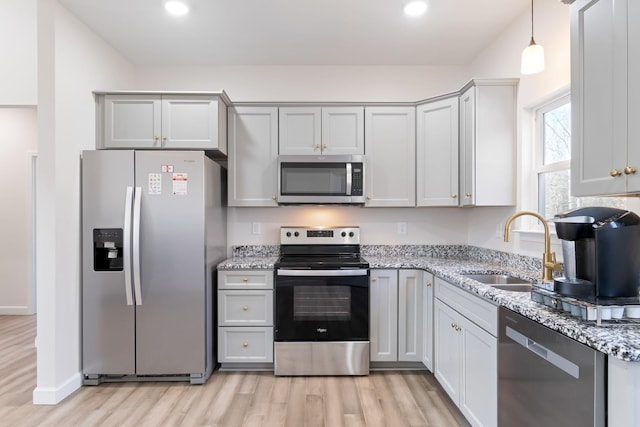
298,32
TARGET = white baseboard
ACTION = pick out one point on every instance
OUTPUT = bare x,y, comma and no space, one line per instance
54,395
15,310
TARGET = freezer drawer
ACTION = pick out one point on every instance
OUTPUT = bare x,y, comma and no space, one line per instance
545,378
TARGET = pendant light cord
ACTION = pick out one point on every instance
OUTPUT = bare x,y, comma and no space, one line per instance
532,19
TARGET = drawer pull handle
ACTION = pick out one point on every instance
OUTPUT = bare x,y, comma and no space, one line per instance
245,344
245,308
245,280
615,172
629,170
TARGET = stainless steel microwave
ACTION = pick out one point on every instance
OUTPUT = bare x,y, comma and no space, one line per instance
321,179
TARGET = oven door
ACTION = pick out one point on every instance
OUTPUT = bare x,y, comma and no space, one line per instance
322,305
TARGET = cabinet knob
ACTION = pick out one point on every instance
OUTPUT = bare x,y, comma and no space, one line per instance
428,284
458,328
453,325
373,279
629,170
368,197
324,147
156,137
164,138
245,280
453,196
468,194
245,344
317,147
615,172
273,197
245,308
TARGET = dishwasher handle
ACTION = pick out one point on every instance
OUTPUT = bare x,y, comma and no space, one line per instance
541,351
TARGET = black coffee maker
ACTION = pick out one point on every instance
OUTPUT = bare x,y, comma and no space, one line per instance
601,251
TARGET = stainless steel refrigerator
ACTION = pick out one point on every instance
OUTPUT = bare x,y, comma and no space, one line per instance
153,229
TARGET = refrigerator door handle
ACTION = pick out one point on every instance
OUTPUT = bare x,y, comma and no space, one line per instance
126,246
136,246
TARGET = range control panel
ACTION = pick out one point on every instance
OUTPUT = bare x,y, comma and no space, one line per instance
319,235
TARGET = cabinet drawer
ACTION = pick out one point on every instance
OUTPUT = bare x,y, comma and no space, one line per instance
474,308
245,344
245,279
245,308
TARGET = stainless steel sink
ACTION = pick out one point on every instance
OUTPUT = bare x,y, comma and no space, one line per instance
502,281
514,287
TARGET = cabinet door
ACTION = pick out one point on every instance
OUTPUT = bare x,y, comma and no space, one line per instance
194,122
437,153
427,321
343,130
467,147
448,349
300,131
633,145
410,290
598,96
390,144
383,331
253,156
132,121
479,385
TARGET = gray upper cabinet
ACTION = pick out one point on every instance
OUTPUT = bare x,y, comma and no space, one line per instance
488,143
321,130
437,153
162,121
390,170
605,63
253,156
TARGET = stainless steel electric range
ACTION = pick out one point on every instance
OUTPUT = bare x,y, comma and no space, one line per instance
321,303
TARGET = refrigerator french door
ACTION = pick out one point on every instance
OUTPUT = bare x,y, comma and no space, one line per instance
153,230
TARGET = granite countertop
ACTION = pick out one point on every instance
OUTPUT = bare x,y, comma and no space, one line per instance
620,341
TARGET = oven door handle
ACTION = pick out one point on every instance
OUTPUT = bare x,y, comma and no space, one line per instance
316,273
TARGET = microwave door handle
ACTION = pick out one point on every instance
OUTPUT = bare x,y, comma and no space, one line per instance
349,182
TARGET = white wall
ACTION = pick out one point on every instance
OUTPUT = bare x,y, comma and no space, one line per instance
18,52
18,143
502,57
308,83
72,62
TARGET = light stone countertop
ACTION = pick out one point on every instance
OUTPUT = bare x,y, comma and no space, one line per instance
620,341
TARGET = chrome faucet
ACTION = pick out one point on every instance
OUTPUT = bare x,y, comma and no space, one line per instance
549,264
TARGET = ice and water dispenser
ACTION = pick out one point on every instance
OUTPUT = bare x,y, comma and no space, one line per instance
107,249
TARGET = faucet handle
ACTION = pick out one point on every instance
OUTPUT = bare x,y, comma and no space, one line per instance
552,263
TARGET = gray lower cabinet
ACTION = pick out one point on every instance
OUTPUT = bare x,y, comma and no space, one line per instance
245,317
396,315
466,352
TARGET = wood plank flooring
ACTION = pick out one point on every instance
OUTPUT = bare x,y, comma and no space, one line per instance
227,399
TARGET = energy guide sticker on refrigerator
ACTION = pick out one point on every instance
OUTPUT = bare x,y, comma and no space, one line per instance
148,264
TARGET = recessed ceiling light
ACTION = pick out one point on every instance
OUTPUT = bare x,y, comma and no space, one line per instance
415,8
176,7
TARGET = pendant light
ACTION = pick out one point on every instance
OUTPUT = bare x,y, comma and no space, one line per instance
532,55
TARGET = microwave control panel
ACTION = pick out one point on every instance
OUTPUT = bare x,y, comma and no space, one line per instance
357,179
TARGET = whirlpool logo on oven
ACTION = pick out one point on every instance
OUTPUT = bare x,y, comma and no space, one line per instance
322,330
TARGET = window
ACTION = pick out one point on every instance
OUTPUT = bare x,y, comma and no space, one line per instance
553,161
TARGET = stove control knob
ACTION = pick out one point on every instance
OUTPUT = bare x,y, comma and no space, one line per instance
351,234
296,234
288,234
343,234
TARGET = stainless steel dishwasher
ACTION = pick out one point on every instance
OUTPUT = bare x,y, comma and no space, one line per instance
545,378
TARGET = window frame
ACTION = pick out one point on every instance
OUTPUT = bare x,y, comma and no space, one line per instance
554,102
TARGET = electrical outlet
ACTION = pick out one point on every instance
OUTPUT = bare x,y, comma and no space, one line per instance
256,228
402,228
500,231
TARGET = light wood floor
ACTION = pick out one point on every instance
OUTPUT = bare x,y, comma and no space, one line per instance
227,399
